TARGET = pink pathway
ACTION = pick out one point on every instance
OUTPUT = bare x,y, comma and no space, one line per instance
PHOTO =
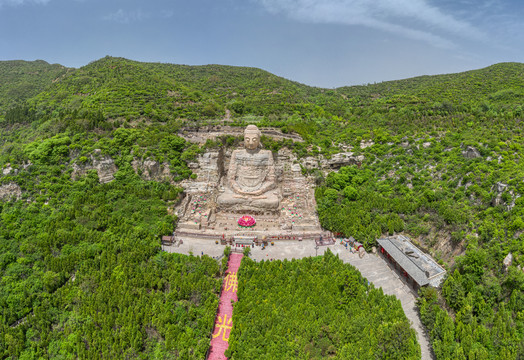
224,319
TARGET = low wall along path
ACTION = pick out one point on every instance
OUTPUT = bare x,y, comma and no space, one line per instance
224,320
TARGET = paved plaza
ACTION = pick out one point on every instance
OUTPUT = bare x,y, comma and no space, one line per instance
372,267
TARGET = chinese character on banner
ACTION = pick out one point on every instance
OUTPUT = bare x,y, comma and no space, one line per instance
222,326
231,282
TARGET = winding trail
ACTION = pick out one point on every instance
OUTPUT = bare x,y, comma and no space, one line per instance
224,319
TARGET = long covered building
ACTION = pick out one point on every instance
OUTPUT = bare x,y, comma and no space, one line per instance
417,267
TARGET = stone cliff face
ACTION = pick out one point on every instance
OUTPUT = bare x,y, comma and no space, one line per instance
335,162
11,190
342,159
151,170
103,164
209,168
106,169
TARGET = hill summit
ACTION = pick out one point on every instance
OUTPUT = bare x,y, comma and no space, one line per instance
126,89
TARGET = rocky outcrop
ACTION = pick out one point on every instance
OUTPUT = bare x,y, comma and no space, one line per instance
103,164
471,153
106,169
208,161
508,260
8,191
296,168
207,169
365,144
9,170
151,170
311,163
341,159
499,188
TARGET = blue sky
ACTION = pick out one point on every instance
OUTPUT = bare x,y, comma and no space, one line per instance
327,43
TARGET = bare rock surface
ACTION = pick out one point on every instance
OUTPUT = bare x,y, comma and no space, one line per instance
508,260
342,159
151,170
8,191
103,164
365,144
106,169
471,153
9,170
499,188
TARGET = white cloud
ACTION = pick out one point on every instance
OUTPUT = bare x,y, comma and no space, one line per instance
415,19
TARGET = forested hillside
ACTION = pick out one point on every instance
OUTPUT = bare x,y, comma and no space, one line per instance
24,79
316,308
131,90
442,164
83,274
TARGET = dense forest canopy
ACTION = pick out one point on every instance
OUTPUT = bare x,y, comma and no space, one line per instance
442,164
83,274
24,79
316,308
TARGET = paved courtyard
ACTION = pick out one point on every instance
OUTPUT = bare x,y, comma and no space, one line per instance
372,267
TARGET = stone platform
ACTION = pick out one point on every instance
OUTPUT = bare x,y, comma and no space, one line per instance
268,227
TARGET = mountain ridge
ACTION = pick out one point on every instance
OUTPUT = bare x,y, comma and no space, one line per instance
220,85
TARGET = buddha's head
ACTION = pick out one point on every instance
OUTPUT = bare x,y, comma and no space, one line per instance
251,137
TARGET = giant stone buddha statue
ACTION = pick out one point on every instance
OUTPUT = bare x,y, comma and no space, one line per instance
251,180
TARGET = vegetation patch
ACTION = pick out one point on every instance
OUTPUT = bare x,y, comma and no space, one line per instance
316,308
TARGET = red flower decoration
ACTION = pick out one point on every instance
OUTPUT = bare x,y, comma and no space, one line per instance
246,221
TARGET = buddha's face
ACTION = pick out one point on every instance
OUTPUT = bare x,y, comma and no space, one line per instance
251,140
